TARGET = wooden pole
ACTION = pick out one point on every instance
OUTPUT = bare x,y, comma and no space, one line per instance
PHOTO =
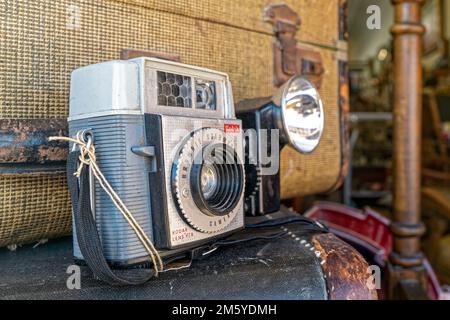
407,259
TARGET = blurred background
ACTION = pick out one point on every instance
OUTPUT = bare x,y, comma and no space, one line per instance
371,102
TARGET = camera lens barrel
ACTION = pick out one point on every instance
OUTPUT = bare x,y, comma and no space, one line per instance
208,180
228,184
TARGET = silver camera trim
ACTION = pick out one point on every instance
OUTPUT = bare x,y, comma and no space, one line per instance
149,98
119,87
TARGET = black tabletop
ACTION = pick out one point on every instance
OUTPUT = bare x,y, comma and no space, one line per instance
284,268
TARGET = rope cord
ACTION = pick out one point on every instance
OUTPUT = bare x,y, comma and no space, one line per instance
88,158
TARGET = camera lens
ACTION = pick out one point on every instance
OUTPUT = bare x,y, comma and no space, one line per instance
217,182
208,181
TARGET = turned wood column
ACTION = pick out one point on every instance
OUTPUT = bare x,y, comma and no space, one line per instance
407,226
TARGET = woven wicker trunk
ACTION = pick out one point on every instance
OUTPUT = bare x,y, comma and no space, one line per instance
42,41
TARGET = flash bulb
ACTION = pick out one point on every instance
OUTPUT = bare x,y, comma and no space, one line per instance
302,114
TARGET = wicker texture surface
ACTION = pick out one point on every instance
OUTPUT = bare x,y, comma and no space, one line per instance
43,41
33,207
319,17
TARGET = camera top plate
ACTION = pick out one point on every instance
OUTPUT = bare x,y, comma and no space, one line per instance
131,87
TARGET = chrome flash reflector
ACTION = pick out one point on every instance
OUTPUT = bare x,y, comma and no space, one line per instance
302,114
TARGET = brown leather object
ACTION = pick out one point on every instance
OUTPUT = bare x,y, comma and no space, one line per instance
346,270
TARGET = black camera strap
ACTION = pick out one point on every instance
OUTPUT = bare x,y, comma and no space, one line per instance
87,233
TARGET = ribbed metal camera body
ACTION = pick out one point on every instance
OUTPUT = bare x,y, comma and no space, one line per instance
167,140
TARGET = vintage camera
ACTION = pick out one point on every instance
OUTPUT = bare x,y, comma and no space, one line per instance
167,139
293,116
